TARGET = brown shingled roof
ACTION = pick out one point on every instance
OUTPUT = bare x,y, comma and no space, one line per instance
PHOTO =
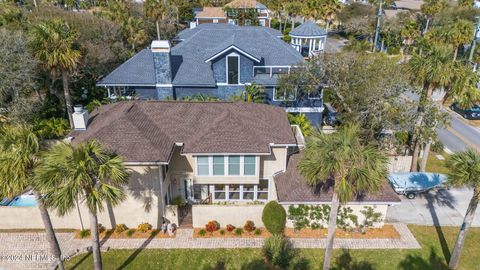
146,131
242,4
211,12
291,187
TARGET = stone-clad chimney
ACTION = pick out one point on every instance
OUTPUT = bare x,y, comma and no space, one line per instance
163,67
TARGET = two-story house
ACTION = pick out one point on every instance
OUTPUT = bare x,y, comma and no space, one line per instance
216,60
223,160
239,12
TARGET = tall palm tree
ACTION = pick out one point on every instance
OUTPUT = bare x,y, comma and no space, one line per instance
156,10
430,8
86,173
54,44
19,150
349,167
134,31
429,71
464,170
463,89
460,32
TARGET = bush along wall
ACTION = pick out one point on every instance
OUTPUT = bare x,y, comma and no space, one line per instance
316,217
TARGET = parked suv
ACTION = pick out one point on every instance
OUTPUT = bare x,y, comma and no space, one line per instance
472,114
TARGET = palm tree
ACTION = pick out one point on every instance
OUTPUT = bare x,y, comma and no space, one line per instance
460,33
408,33
349,167
430,71
135,32
464,170
463,89
430,8
254,93
86,173
54,44
156,10
19,149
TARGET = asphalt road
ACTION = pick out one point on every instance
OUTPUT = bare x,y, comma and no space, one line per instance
443,207
459,136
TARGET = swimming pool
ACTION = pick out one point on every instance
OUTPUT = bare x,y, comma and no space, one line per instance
23,200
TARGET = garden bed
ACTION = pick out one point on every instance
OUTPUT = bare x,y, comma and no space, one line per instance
387,231
217,234
134,234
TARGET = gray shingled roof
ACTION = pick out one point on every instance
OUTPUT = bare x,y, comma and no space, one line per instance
205,40
188,57
137,70
146,131
308,29
292,188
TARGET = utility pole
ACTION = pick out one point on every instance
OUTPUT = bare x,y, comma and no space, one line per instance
377,29
474,41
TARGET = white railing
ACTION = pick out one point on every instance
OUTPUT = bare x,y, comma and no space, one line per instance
297,132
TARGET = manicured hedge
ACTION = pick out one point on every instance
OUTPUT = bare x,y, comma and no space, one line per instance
274,217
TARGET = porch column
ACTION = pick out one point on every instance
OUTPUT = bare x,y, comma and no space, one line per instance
314,44
161,201
310,46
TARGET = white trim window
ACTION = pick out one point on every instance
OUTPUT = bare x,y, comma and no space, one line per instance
241,192
284,95
233,68
218,165
249,165
234,165
220,192
203,165
215,20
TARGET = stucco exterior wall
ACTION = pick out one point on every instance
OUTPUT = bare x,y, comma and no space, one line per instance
276,162
237,215
142,204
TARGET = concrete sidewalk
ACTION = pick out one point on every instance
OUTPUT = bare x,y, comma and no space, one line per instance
30,250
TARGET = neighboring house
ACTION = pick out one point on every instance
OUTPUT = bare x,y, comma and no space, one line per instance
309,39
211,15
216,60
225,160
237,7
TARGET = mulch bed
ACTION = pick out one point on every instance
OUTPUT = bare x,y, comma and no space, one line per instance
111,234
387,232
217,234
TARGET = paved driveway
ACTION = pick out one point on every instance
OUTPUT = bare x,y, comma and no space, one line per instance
444,207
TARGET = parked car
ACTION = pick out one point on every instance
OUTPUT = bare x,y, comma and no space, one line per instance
330,115
471,114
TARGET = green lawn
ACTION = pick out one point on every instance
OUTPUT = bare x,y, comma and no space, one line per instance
431,256
436,165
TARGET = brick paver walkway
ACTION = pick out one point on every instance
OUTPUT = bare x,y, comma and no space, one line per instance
30,250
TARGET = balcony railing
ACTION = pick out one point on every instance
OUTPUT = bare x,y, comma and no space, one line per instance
298,136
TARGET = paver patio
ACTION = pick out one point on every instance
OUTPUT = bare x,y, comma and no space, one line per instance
30,250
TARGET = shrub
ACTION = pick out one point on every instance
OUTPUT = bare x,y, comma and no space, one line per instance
144,227
438,147
212,226
238,231
371,217
178,200
274,217
130,232
249,226
101,228
52,128
258,231
202,232
230,228
222,231
119,228
277,251
84,233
